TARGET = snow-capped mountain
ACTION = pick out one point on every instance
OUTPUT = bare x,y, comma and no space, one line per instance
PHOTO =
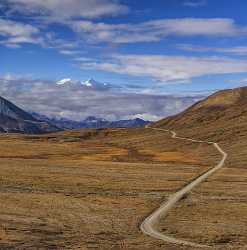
89,84
64,81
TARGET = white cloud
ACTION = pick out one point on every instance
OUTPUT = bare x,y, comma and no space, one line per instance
15,29
169,68
238,50
244,80
83,59
236,83
98,32
145,116
15,33
13,77
68,52
155,30
241,82
200,26
66,9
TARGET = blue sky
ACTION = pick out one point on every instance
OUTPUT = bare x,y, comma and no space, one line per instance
163,47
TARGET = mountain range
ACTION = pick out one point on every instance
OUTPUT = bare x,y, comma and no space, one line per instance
15,120
222,117
91,122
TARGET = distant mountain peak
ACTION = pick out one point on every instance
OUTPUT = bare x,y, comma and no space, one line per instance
90,82
64,81
94,84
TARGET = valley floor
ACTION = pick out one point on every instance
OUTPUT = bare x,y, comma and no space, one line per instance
91,189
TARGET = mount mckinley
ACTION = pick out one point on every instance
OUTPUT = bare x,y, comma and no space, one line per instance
89,84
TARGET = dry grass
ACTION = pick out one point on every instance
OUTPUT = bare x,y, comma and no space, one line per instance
215,213
90,189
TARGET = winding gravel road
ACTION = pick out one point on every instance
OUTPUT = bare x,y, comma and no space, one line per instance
149,225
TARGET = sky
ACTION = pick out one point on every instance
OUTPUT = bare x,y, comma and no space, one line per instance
156,58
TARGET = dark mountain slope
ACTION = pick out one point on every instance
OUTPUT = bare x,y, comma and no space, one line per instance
10,110
13,119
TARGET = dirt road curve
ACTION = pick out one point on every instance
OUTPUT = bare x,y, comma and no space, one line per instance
149,225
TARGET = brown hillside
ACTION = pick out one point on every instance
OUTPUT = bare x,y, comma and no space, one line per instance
222,117
223,98
214,212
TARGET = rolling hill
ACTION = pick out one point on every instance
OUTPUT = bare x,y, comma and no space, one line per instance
226,109
222,117
214,213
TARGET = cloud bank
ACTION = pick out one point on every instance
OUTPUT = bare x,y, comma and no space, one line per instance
237,50
76,101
